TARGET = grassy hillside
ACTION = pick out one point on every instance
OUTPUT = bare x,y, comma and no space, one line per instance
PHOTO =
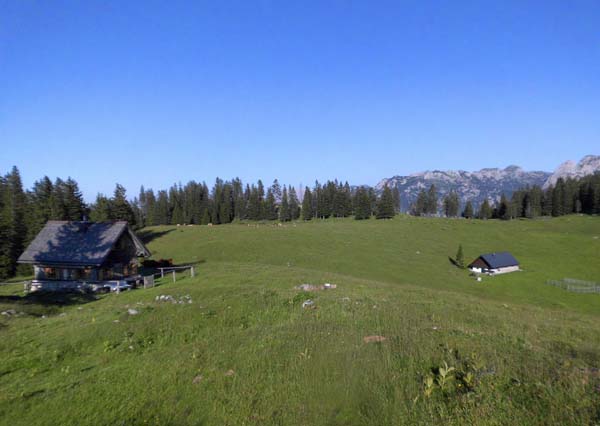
245,352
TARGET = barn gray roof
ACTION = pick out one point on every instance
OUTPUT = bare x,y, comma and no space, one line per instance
501,259
77,243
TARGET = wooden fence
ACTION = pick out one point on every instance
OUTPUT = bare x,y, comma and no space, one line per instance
174,269
575,286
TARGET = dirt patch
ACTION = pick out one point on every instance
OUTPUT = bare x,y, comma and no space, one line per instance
374,339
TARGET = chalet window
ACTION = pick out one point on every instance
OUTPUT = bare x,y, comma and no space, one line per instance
86,273
108,274
50,273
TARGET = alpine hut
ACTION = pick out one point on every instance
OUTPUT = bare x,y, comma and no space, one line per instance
68,255
495,263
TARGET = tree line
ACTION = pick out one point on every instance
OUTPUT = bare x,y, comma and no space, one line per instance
567,196
229,201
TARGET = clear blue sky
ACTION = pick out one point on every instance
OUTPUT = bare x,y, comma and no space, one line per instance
161,92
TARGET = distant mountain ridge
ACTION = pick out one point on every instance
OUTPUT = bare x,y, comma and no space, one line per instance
588,165
488,183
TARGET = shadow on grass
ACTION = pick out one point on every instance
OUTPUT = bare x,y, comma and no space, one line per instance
148,235
50,298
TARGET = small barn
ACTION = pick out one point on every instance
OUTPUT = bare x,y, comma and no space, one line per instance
68,255
495,263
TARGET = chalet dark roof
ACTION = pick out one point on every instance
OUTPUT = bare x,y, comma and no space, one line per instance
78,243
501,259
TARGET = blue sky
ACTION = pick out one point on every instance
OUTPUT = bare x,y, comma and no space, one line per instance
161,92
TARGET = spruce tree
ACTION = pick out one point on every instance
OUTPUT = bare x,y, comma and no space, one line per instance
270,207
13,222
73,201
362,204
307,205
284,208
468,211
57,202
504,208
558,198
485,211
254,204
431,207
276,189
294,204
5,230
451,204
101,210
120,207
396,196
460,258
385,204
162,213
420,205
41,206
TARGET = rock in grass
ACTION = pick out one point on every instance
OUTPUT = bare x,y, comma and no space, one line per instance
131,311
308,304
229,373
197,379
374,339
306,287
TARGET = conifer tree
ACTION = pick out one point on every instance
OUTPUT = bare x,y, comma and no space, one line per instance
547,201
420,205
396,196
261,197
270,207
485,211
73,201
431,207
101,210
468,211
372,200
385,205
348,210
284,208
41,206
162,213
12,222
362,204
294,204
503,208
307,205
558,195
150,203
120,207
5,230
276,189
451,204
57,202
460,258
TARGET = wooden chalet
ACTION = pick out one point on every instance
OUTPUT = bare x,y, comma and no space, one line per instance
83,255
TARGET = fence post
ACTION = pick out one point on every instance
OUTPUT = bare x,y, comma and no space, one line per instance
174,279
162,272
192,272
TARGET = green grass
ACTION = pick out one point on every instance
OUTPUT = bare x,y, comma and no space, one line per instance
532,350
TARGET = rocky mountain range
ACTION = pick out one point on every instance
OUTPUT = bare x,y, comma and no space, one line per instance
485,183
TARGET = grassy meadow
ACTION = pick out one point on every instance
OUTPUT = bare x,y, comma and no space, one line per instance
508,350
